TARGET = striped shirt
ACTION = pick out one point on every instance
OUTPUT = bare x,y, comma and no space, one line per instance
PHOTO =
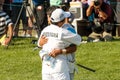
5,21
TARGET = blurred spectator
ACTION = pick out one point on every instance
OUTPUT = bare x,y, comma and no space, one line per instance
84,1
75,0
102,17
29,14
1,4
6,27
58,2
116,7
40,13
16,8
7,7
85,6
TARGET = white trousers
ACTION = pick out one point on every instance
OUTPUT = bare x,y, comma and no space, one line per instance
56,76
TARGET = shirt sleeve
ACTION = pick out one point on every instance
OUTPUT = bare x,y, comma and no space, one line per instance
8,20
38,42
71,36
39,39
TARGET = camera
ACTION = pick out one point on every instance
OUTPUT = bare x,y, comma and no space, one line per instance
96,2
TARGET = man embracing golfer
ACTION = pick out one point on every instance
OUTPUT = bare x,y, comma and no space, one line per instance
55,66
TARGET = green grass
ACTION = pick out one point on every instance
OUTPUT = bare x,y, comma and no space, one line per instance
21,62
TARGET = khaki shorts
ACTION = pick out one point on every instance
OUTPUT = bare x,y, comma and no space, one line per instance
29,11
2,39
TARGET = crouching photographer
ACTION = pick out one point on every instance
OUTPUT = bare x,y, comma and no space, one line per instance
101,14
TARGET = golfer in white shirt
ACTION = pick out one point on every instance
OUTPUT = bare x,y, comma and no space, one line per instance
55,67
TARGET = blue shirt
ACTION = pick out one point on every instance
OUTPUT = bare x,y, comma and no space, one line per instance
38,2
17,1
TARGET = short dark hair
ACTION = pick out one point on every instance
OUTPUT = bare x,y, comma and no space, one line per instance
65,6
56,23
51,9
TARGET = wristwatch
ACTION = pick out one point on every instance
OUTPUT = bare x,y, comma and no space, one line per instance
64,51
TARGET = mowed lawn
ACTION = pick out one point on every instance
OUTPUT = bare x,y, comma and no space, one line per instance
21,62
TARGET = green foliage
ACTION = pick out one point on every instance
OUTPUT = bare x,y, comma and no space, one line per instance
21,62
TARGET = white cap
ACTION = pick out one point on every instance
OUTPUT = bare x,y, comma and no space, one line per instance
58,15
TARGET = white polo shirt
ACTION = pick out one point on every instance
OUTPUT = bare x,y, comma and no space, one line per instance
58,38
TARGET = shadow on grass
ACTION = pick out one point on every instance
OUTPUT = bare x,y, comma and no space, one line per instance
116,39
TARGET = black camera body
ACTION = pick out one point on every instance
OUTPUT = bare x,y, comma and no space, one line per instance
96,2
